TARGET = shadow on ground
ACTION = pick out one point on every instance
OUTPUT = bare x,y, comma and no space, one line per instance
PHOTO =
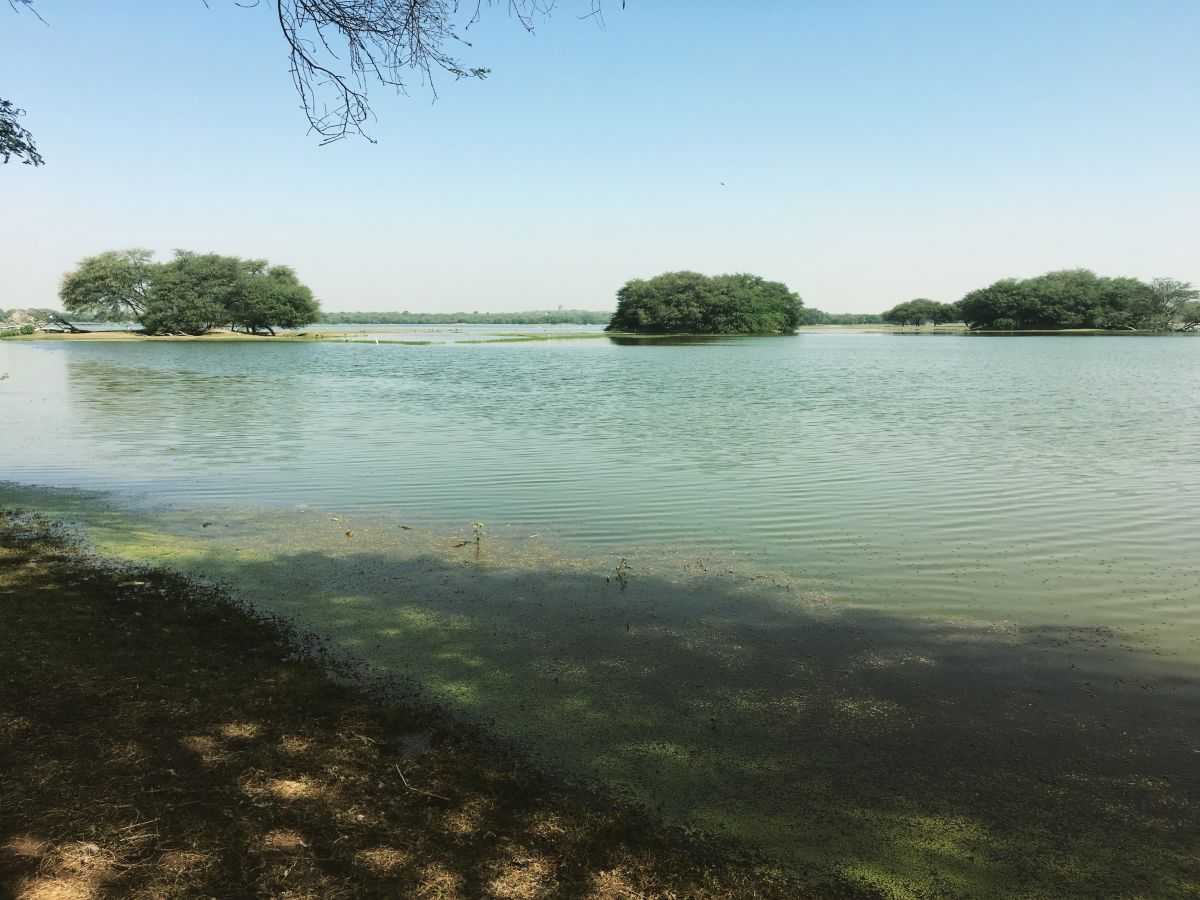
156,741
909,756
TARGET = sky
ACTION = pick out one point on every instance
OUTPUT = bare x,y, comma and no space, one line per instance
864,152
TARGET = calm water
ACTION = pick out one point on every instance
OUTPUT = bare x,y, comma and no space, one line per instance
962,636
1045,477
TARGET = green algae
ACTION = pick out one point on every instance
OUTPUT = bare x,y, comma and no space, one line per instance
917,758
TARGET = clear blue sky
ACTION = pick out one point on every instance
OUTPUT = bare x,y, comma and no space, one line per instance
871,150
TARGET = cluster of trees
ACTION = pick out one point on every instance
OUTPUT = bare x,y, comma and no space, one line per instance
534,317
1072,298
811,316
691,303
191,294
1079,298
921,312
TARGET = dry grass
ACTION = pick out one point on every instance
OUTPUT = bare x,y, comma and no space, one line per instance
157,741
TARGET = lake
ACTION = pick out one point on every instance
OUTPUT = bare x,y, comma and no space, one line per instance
999,523
1026,477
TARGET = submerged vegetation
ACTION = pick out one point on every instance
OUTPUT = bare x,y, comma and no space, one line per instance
158,741
691,303
933,760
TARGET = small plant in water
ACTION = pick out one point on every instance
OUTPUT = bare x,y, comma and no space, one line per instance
479,532
621,573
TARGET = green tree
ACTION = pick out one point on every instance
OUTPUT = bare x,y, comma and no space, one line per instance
1165,303
113,286
920,311
269,298
197,292
1072,298
191,293
691,303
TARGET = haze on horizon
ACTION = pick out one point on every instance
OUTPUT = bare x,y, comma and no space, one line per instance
862,153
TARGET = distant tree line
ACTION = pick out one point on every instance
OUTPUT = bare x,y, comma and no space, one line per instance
811,316
1073,298
691,303
532,317
191,294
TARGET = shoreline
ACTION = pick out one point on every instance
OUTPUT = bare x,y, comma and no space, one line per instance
355,336
902,757
296,337
247,759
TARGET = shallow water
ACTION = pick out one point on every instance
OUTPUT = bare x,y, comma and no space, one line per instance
900,604
1049,478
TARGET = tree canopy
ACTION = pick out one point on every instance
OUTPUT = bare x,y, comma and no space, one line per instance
920,311
112,286
191,294
1078,298
691,303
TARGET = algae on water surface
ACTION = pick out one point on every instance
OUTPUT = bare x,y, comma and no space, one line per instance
911,754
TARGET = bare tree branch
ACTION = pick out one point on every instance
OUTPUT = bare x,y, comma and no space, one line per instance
340,48
26,4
